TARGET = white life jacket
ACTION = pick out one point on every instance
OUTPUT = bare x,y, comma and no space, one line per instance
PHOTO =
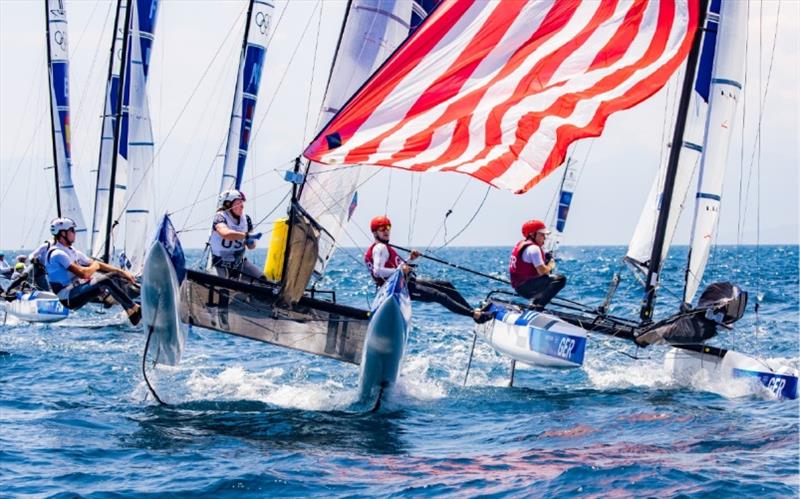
228,250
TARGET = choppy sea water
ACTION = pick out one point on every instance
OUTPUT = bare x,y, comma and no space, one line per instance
249,419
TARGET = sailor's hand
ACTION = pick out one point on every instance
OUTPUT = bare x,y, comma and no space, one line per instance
548,257
405,268
551,265
252,238
127,275
414,254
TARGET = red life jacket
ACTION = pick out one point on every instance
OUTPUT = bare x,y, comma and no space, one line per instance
393,263
520,270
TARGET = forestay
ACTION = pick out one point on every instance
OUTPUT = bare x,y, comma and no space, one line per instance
373,29
498,90
57,61
257,33
726,87
641,245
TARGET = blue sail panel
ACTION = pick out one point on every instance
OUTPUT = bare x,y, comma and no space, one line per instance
253,64
563,210
702,82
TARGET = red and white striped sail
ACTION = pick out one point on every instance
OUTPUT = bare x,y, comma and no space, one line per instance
499,89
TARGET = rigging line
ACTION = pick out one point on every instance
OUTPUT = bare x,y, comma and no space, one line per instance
24,157
739,226
469,222
258,127
762,105
410,207
175,122
80,101
247,182
416,206
204,220
388,193
186,155
464,188
311,82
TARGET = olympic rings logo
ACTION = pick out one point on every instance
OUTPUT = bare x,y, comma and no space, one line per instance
262,21
61,39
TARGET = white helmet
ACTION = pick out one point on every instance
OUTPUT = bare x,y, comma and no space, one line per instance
59,224
229,197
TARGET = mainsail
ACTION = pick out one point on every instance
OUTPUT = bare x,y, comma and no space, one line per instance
373,29
133,177
641,245
568,183
57,61
256,36
498,90
107,140
138,150
726,86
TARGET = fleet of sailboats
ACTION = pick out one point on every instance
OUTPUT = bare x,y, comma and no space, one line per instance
479,89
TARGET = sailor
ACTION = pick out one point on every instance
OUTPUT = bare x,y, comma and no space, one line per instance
5,268
19,269
231,236
531,268
77,279
382,261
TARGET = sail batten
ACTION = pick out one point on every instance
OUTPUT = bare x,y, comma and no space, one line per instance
498,91
67,204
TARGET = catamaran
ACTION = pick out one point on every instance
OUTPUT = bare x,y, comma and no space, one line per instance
285,308
36,305
499,94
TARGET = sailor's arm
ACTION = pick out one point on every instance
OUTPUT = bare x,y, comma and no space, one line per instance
84,271
228,234
110,269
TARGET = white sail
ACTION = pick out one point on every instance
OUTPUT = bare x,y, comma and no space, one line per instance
257,34
568,183
641,245
373,30
58,65
100,217
139,199
726,86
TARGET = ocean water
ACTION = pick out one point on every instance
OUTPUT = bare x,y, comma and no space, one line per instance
250,420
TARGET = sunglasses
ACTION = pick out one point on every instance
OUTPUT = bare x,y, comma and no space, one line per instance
71,229
385,227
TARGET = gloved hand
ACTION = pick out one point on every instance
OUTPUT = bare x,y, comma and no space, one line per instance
548,257
252,238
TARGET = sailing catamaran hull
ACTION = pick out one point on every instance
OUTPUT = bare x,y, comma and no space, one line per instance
37,306
718,364
160,302
386,339
534,338
253,311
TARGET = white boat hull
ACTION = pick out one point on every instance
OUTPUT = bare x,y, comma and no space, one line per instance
534,338
37,306
782,382
385,343
160,305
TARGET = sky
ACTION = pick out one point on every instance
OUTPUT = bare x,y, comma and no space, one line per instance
193,71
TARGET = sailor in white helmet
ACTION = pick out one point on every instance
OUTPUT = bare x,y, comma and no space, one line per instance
77,279
231,236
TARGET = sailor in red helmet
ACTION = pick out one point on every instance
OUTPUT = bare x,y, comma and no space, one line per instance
531,268
382,261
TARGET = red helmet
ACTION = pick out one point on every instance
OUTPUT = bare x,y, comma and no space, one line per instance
533,226
379,222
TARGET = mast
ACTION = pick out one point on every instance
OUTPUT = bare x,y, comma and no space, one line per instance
117,129
52,104
651,283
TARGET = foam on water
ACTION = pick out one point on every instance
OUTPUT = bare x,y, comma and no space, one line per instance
247,418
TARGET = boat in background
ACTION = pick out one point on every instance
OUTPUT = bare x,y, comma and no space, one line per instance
508,120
